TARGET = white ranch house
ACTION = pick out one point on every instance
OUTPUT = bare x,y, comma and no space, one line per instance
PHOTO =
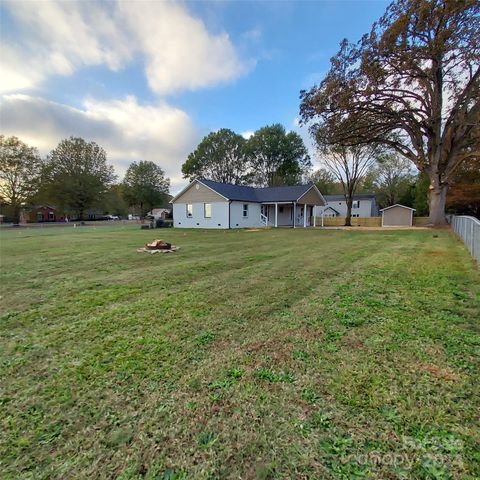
208,204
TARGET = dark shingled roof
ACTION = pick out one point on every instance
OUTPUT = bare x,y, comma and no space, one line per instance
243,193
232,192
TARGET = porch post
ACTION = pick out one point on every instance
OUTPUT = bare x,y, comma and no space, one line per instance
314,216
305,215
294,213
322,218
276,215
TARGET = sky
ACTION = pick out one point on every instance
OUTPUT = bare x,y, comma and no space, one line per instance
147,80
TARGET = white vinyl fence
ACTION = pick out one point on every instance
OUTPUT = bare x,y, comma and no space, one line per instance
468,229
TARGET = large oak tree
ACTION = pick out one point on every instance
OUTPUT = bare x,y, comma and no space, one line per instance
146,186
412,84
77,175
20,171
277,157
220,157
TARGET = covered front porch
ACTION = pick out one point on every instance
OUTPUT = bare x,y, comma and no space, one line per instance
287,214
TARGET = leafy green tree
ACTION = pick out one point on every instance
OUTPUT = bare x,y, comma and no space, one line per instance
220,157
77,175
146,186
277,157
412,84
324,181
114,202
368,183
392,178
420,201
20,171
407,195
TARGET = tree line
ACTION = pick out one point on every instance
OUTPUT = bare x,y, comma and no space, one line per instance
411,85
280,158
392,180
75,177
405,96
270,157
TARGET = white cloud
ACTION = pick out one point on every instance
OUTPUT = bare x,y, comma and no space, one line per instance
58,38
175,50
55,37
180,53
247,134
126,129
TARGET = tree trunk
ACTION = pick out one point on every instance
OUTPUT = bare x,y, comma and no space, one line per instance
348,217
437,196
16,214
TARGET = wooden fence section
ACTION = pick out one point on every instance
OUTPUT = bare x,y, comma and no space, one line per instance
363,222
356,222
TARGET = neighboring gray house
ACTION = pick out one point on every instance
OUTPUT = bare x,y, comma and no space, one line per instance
364,205
208,204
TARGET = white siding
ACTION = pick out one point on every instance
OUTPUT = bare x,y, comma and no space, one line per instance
219,216
366,209
237,220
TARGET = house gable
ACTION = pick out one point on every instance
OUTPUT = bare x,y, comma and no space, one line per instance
312,197
197,192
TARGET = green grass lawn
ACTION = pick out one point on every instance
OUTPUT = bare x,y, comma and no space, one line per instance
288,354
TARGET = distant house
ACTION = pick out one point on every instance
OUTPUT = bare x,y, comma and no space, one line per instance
208,204
364,205
162,213
41,214
95,214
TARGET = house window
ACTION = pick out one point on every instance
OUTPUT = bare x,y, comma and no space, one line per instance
356,204
280,209
207,210
245,210
189,210
355,215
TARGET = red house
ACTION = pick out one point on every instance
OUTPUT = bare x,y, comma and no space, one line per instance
41,214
